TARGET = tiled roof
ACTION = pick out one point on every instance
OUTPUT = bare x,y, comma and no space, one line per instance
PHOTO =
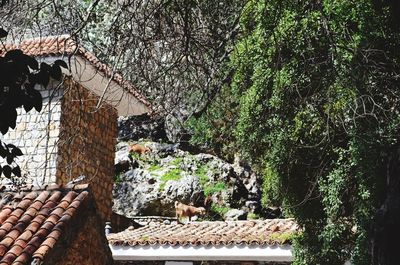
260,232
65,45
33,220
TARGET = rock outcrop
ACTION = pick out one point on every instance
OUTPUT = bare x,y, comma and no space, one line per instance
235,215
168,173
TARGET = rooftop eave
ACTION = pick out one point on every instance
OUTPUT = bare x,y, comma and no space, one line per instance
270,253
106,88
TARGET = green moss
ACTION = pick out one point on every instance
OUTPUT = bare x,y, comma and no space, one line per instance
217,212
118,179
252,216
162,186
154,167
282,238
177,161
201,172
208,187
135,156
173,174
214,188
144,237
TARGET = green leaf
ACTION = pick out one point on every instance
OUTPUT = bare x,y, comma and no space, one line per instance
61,63
31,62
14,54
55,72
7,171
3,33
17,152
10,158
17,171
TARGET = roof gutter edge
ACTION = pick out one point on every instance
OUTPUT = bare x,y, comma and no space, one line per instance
275,253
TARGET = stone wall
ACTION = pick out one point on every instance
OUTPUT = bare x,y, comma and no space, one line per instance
87,144
70,137
36,134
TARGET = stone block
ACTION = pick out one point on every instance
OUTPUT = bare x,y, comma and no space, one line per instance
29,150
53,141
41,151
54,132
56,115
21,127
34,119
36,134
13,135
28,143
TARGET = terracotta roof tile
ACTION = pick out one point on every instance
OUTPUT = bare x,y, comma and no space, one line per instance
65,218
22,259
55,234
15,250
3,250
25,219
33,221
8,258
24,238
4,214
64,45
207,233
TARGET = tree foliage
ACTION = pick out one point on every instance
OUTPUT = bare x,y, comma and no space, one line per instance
315,104
19,74
310,96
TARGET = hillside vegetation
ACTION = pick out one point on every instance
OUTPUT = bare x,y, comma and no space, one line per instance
313,103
